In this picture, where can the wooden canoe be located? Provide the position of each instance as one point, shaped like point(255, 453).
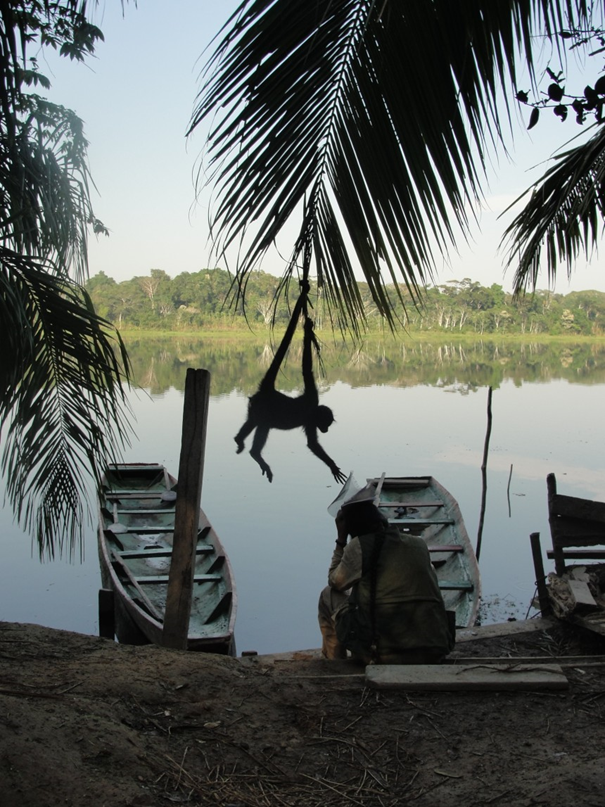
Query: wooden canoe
point(136, 523)
point(419, 505)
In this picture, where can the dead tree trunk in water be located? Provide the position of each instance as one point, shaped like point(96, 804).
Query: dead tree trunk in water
point(484, 472)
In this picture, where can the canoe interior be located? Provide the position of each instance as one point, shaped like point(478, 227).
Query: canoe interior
point(136, 523)
point(419, 505)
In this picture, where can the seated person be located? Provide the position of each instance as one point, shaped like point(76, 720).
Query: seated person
point(394, 612)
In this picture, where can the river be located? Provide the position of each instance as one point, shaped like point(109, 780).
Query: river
point(406, 408)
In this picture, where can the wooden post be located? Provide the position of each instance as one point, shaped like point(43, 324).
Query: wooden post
point(107, 623)
point(186, 520)
point(543, 598)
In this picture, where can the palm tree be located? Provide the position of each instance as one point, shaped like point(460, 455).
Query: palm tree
point(370, 123)
point(62, 405)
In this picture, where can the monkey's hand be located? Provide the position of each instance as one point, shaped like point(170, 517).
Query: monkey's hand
point(309, 324)
point(305, 286)
point(338, 475)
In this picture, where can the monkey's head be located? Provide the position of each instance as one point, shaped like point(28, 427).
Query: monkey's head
point(323, 418)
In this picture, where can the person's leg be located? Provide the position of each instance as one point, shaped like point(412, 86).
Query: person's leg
point(329, 602)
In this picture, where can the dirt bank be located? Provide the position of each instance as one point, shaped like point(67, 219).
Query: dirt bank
point(84, 721)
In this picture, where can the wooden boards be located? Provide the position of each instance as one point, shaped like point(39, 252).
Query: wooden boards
point(450, 677)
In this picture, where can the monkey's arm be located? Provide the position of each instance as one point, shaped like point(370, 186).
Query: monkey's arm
point(314, 446)
point(271, 374)
point(309, 341)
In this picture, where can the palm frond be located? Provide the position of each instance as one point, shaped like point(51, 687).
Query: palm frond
point(366, 123)
point(563, 217)
point(62, 407)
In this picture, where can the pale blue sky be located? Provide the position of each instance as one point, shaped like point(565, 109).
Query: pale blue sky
point(136, 98)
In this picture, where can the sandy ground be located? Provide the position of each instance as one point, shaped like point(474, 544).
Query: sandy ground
point(88, 723)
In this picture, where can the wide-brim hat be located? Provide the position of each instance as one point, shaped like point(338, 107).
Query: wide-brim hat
point(352, 493)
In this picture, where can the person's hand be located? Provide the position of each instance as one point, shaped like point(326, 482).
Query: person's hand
point(341, 527)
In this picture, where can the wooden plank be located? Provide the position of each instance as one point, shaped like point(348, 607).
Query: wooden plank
point(447, 585)
point(145, 530)
point(581, 592)
point(420, 522)
point(574, 507)
point(409, 482)
point(562, 661)
point(130, 554)
point(157, 579)
point(594, 622)
point(123, 469)
point(579, 554)
point(191, 471)
point(448, 677)
point(107, 626)
point(447, 548)
point(155, 511)
point(117, 562)
point(543, 598)
point(412, 504)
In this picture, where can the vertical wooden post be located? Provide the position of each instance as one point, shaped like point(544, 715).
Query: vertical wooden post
point(543, 598)
point(186, 521)
point(107, 620)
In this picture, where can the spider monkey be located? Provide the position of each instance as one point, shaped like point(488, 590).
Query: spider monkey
point(269, 409)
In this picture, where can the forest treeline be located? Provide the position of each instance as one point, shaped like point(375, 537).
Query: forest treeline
point(205, 300)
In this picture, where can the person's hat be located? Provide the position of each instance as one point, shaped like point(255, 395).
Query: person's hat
point(352, 493)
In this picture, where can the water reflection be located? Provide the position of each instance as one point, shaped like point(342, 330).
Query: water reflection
point(238, 363)
point(401, 408)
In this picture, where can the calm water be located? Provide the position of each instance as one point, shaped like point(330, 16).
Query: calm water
point(404, 409)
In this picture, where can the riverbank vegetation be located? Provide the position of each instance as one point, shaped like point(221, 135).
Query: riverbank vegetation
point(204, 301)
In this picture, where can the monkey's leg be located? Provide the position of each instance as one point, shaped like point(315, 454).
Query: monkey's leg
point(242, 434)
point(260, 438)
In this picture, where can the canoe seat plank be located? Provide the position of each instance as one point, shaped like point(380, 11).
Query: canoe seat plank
point(447, 548)
point(131, 554)
point(144, 601)
point(448, 585)
point(163, 578)
point(216, 564)
point(578, 554)
point(411, 504)
point(420, 522)
point(150, 512)
point(220, 608)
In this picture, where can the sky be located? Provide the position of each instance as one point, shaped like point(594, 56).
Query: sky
point(136, 97)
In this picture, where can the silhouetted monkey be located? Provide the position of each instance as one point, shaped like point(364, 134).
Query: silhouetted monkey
point(269, 409)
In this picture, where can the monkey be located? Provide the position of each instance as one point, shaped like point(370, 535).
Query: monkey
point(269, 409)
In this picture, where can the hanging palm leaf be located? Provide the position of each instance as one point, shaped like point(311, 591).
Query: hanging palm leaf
point(564, 215)
point(62, 405)
point(367, 124)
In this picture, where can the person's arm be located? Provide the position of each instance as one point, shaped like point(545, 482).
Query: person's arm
point(345, 567)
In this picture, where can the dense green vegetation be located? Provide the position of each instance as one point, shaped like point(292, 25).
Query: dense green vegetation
point(196, 301)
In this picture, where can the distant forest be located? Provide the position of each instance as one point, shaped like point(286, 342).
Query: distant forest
point(204, 300)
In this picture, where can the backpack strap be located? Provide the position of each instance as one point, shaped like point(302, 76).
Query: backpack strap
point(373, 570)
